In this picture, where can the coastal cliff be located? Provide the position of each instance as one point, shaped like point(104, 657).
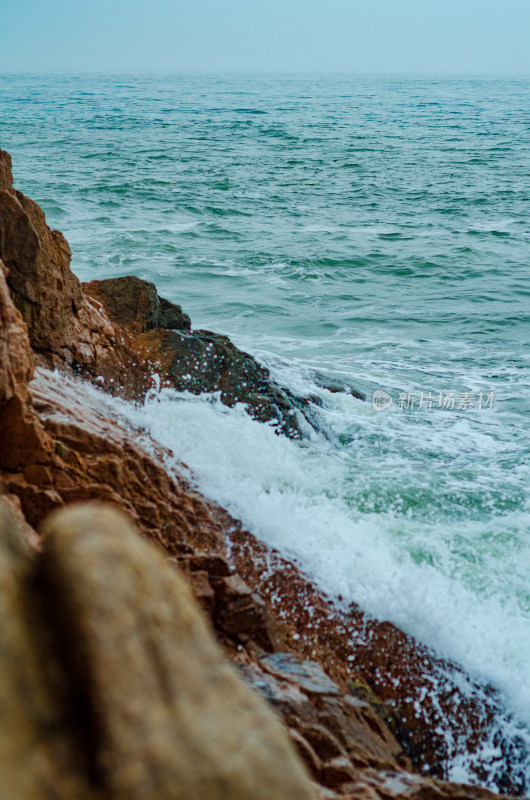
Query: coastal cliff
point(100, 620)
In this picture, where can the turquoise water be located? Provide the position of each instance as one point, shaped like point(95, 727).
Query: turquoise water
point(372, 229)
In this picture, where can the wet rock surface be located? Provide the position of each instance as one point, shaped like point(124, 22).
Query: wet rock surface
point(433, 709)
point(203, 361)
point(307, 674)
point(199, 361)
point(336, 385)
point(134, 302)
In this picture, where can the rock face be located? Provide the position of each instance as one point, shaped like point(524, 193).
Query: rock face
point(91, 458)
point(134, 302)
point(148, 707)
point(198, 361)
point(22, 439)
point(50, 307)
point(65, 326)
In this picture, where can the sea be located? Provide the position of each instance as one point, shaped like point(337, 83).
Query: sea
point(368, 229)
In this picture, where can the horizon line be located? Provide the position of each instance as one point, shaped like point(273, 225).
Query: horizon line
point(275, 72)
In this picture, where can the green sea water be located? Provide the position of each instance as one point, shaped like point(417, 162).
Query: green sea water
point(371, 229)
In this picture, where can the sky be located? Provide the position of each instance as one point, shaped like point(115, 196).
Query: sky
point(478, 37)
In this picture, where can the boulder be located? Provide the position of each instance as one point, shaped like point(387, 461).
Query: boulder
point(198, 361)
point(134, 302)
point(38, 757)
point(203, 361)
point(112, 684)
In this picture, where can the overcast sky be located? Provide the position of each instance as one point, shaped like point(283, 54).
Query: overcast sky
point(411, 36)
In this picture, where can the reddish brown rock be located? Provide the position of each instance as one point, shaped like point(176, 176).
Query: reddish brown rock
point(322, 741)
point(95, 457)
point(135, 303)
point(203, 591)
point(214, 564)
point(241, 615)
point(307, 754)
point(66, 327)
point(22, 440)
point(46, 292)
point(19, 523)
point(337, 771)
point(6, 172)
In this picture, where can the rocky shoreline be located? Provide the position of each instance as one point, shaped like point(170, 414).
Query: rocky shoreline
point(352, 695)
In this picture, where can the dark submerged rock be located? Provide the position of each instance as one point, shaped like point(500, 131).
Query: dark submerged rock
point(208, 362)
point(336, 385)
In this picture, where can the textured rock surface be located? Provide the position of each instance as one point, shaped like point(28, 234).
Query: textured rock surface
point(37, 759)
point(138, 702)
point(418, 696)
point(203, 361)
point(6, 171)
point(197, 361)
point(22, 441)
point(134, 302)
point(94, 457)
point(173, 720)
point(65, 326)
